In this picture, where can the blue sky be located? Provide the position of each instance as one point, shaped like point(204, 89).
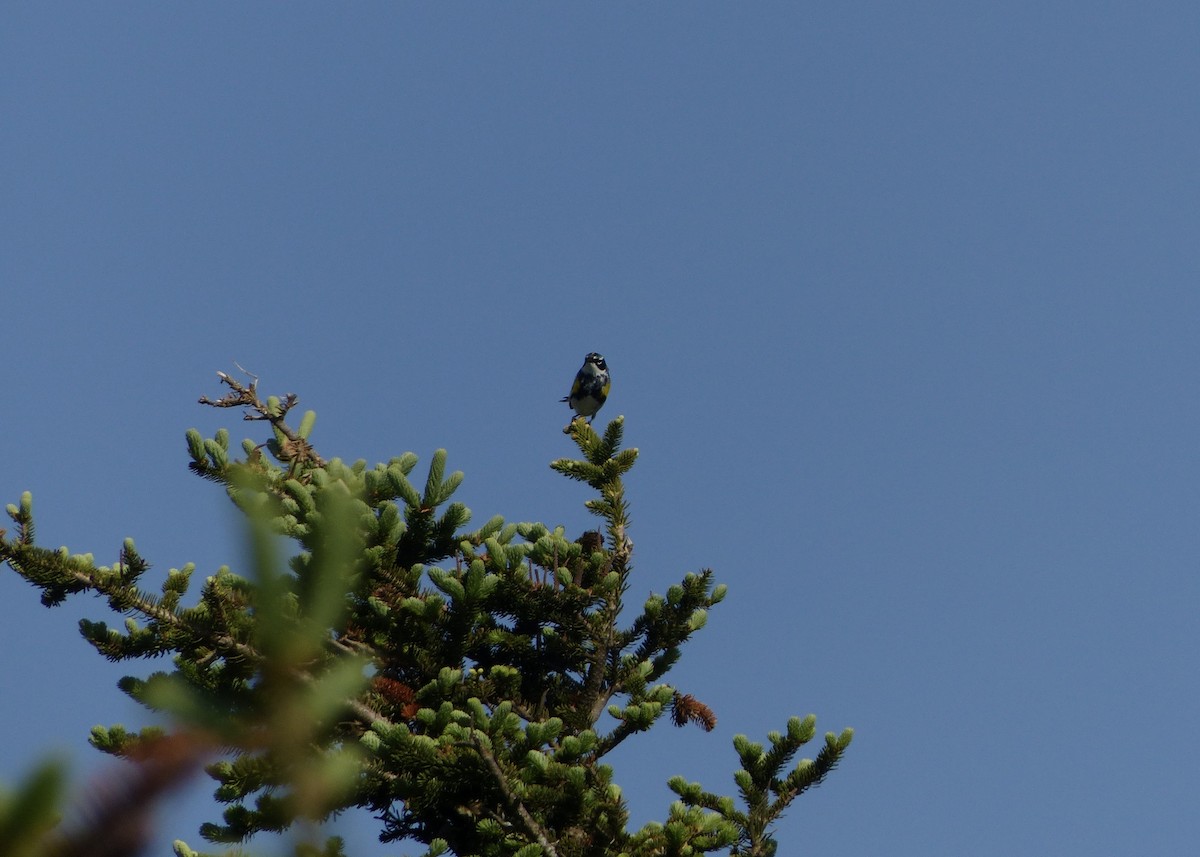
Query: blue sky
point(901, 303)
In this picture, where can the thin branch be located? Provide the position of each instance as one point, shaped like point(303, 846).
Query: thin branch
point(296, 449)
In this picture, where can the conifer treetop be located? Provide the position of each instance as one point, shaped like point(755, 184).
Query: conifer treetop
point(464, 686)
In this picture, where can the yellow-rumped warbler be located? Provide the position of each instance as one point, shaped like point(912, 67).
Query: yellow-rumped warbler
point(591, 386)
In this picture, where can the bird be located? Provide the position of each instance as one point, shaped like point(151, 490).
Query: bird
point(592, 383)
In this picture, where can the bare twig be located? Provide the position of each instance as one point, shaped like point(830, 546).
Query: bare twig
point(294, 449)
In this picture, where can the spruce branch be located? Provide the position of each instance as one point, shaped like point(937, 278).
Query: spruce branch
point(529, 821)
point(765, 791)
